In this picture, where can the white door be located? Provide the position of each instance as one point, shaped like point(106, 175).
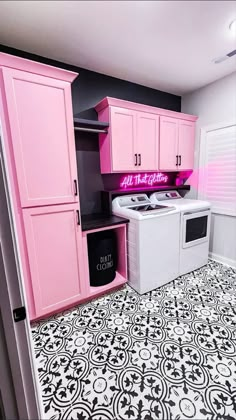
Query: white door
point(16, 334)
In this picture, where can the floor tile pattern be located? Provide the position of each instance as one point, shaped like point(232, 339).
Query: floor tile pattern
point(169, 354)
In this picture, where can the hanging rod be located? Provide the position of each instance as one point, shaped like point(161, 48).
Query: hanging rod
point(90, 130)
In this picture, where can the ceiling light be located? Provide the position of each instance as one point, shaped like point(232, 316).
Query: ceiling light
point(232, 26)
point(224, 57)
point(220, 59)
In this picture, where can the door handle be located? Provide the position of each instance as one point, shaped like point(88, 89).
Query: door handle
point(78, 219)
point(198, 211)
point(136, 159)
point(139, 156)
point(179, 160)
point(76, 188)
point(176, 160)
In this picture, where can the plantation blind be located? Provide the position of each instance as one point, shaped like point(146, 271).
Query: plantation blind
point(217, 182)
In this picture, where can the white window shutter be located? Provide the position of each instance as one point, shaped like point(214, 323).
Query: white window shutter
point(217, 181)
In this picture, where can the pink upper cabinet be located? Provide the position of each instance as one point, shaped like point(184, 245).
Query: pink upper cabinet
point(133, 137)
point(186, 144)
point(147, 141)
point(177, 138)
point(122, 139)
point(131, 143)
point(168, 144)
point(55, 257)
point(144, 138)
point(41, 126)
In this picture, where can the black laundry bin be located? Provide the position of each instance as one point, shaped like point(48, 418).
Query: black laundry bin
point(102, 254)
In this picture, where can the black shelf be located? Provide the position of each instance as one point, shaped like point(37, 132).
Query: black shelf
point(92, 126)
point(98, 221)
point(147, 190)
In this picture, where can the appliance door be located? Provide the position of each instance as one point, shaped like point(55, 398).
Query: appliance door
point(196, 227)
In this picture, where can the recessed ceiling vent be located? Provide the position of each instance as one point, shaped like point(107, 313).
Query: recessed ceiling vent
point(224, 57)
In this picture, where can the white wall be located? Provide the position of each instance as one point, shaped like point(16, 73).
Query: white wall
point(215, 103)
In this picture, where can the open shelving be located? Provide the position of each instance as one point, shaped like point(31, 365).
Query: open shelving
point(90, 126)
point(121, 272)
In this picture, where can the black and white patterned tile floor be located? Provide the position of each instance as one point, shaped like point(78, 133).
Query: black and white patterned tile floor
point(169, 354)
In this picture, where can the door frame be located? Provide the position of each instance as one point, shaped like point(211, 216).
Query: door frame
point(19, 342)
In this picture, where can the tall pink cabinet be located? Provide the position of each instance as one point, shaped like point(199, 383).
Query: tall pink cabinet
point(41, 121)
point(38, 137)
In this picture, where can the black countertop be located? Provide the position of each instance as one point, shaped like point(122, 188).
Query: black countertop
point(98, 221)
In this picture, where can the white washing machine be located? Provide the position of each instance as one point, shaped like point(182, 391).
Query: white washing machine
point(152, 241)
point(194, 228)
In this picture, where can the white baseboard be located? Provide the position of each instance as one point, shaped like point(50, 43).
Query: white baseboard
point(222, 260)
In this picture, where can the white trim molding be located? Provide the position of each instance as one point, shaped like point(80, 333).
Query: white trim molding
point(18, 336)
point(223, 260)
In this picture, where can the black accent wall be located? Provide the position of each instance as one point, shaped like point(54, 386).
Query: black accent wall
point(87, 90)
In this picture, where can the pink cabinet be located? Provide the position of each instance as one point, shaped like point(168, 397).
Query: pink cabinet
point(186, 144)
point(131, 143)
point(168, 143)
point(177, 137)
point(144, 138)
point(123, 139)
point(147, 134)
point(38, 136)
point(53, 239)
point(41, 125)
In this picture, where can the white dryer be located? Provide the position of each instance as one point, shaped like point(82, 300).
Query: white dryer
point(152, 241)
point(194, 228)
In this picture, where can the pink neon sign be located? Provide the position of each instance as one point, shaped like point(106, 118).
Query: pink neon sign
point(143, 180)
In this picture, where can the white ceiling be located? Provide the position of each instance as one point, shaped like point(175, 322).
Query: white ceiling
point(167, 45)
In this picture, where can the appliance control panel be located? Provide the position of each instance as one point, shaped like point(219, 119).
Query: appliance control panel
point(129, 200)
point(167, 195)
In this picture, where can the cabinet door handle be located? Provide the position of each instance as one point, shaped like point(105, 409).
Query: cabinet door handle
point(140, 161)
point(179, 160)
point(75, 186)
point(176, 160)
point(136, 159)
point(78, 219)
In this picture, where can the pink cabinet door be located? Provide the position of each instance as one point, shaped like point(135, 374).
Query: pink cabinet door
point(168, 143)
point(41, 125)
point(123, 138)
point(186, 144)
point(53, 247)
point(147, 140)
